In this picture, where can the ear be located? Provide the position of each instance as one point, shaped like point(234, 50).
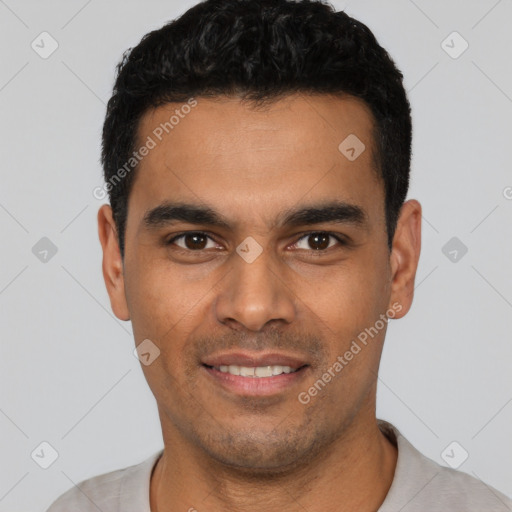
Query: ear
point(405, 254)
point(112, 263)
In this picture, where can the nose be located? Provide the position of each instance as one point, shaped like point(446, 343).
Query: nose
point(254, 294)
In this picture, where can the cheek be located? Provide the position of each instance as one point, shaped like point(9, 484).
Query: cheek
point(163, 301)
point(350, 303)
point(351, 297)
point(166, 310)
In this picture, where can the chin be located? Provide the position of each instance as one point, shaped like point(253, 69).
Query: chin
point(260, 453)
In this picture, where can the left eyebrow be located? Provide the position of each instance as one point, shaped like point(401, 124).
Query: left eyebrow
point(338, 212)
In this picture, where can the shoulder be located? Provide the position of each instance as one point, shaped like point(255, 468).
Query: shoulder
point(422, 484)
point(110, 492)
point(452, 487)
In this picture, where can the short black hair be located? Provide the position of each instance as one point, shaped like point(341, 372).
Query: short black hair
point(259, 51)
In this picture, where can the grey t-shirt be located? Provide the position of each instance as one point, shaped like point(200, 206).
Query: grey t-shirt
point(419, 485)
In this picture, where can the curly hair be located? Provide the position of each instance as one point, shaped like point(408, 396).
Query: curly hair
point(259, 51)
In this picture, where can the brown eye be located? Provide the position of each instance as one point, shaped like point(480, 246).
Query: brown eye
point(192, 241)
point(318, 241)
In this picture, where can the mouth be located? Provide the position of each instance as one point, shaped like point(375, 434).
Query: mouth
point(255, 374)
point(255, 371)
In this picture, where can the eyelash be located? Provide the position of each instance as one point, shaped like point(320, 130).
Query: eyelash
point(340, 240)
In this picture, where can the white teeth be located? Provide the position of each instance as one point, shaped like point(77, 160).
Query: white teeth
point(234, 369)
point(277, 369)
point(258, 371)
point(263, 371)
point(245, 371)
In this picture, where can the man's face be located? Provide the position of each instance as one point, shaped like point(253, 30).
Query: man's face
point(261, 289)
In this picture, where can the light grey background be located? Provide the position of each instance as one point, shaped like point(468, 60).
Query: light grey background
point(68, 375)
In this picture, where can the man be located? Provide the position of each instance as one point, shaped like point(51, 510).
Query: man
point(257, 154)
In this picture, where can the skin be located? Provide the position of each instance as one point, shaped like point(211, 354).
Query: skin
point(223, 450)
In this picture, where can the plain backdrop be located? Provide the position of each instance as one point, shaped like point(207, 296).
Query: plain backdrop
point(68, 376)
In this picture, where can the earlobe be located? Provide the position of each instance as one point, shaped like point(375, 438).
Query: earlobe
point(112, 265)
point(405, 255)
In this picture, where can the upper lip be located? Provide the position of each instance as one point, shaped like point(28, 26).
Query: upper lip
point(254, 359)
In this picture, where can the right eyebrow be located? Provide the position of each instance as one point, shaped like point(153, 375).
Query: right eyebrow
point(168, 213)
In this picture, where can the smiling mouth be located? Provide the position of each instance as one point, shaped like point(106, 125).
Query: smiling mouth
point(255, 371)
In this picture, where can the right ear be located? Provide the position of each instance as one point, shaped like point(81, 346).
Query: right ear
point(112, 262)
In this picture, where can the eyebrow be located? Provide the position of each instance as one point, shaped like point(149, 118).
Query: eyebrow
point(339, 212)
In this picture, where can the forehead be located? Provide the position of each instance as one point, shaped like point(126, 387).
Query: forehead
point(225, 151)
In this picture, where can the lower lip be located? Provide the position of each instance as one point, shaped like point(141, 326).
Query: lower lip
point(256, 386)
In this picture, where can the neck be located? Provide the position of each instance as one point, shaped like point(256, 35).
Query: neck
point(355, 475)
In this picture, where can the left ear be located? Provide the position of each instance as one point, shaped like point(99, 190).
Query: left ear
point(405, 254)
